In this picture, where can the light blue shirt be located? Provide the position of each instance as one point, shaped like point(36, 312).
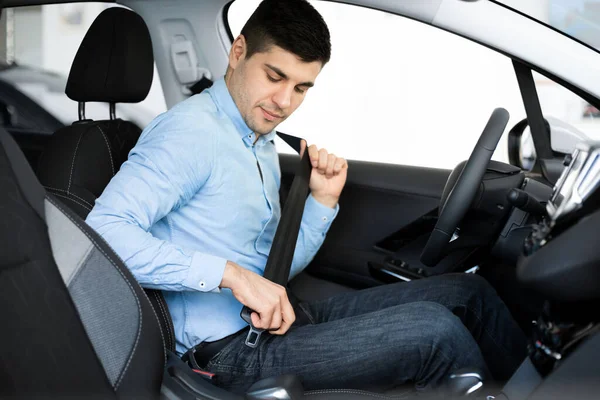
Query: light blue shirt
point(189, 198)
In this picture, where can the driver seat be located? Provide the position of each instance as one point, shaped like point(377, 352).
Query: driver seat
point(77, 323)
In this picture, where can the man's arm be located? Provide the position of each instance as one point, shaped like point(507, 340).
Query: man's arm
point(316, 220)
point(327, 180)
point(170, 163)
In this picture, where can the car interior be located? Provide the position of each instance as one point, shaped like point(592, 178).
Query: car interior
point(77, 323)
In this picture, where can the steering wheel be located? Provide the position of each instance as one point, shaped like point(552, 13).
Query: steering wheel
point(458, 202)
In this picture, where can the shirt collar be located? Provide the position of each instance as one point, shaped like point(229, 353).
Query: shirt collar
point(222, 98)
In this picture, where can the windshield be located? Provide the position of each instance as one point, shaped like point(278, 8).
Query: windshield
point(579, 19)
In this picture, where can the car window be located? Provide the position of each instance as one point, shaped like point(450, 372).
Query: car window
point(41, 44)
point(399, 91)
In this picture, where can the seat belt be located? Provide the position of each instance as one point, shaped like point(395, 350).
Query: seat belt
point(280, 258)
point(538, 127)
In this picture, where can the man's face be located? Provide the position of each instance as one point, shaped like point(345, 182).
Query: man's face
point(269, 86)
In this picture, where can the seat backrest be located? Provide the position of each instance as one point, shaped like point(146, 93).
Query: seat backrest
point(114, 64)
point(75, 321)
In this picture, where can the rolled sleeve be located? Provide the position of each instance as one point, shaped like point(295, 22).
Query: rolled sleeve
point(205, 273)
point(317, 216)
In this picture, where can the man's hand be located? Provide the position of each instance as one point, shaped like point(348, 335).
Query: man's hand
point(273, 309)
point(328, 175)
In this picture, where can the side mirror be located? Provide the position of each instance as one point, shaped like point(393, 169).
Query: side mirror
point(521, 148)
point(527, 154)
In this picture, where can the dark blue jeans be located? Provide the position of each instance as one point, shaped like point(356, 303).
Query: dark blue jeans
point(386, 336)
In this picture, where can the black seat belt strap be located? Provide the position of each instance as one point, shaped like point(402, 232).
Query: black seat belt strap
point(535, 118)
point(280, 258)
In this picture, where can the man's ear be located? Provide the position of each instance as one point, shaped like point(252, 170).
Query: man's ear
point(237, 52)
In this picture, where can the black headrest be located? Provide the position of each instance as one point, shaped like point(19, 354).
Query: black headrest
point(114, 63)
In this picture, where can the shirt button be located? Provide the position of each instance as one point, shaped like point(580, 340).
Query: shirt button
point(325, 219)
point(202, 284)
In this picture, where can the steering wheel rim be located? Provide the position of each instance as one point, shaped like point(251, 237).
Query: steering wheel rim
point(462, 194)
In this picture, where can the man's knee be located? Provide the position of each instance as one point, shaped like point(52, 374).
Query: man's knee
point(473, 285)
point(443, 330)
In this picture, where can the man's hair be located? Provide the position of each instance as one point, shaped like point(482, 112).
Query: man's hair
point(293, 25)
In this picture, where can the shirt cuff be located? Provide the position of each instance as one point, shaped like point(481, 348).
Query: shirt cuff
point(205, 273)
point(318, 216)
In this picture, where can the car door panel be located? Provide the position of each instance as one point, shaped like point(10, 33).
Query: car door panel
point(380, 206)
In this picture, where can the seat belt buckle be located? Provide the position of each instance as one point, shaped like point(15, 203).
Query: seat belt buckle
point(254, 334)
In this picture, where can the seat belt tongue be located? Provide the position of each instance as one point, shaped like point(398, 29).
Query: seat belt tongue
point(254, 334)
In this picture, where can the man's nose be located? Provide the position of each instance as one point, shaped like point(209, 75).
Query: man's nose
point(283, 97)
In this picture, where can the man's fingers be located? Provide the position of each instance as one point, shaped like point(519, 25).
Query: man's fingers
point(265, 317)
point(255, 319)
point(313, 152)
point(276, 318)
point(340, 163)
point(288, 315)
point(285, 326)
point(322, 161)
point(330, 165)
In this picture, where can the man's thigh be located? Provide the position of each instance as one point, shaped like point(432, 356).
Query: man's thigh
point(450, 290)
point(418, 342)
point(467, 296)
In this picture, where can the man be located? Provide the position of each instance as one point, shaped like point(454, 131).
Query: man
point(194, 210)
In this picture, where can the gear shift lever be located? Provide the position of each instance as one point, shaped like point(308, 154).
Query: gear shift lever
point(464, 382)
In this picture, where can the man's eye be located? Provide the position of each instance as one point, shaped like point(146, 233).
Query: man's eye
point(301, 91)
point(272, 79)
